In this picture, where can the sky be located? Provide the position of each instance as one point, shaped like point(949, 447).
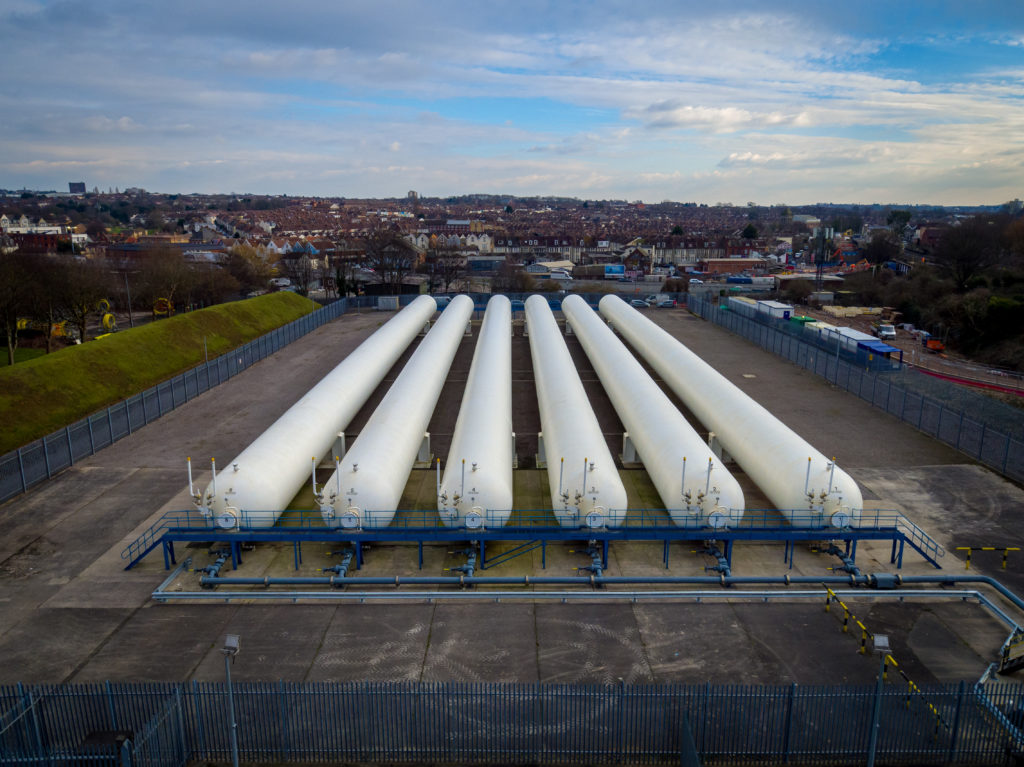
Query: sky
point(767, 102)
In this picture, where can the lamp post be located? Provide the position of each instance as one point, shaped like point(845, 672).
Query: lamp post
point(881, 647)
point(232, 645)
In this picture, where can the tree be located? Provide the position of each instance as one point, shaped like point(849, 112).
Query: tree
point(251, 269)
point(446, 266)
point(391, 257)
point(344, 270)
point(511, 278)
point(677, 231)
point(968, 250)
point(298, 267)
point(50, 275)
point(164, 274)
point(749, 232)
point(897, 221)
point(15, 296)
point(87, 282)
point(881, 248)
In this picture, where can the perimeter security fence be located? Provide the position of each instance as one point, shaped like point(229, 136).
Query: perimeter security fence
point(507, 723)
point(987, 430)
point(40, 460)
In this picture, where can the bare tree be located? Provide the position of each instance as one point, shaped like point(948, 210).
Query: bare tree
point(343, 270)
point(15, 296)
point(87, 282)
point(298, 268)
point(966, 251)
point(391, 257)
point(446, 266)
point(50, 275)
point(164, 274)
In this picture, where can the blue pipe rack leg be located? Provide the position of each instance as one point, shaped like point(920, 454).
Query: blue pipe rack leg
point(168, 547)
point(297, 546)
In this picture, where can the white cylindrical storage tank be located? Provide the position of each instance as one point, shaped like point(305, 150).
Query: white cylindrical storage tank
point(803, 484)
point(476, 490)
point(585, 485)
point(263, 479)
point(366, 487)
point(694, 485)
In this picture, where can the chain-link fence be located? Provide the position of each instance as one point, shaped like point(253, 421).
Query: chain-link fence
point(984, 428)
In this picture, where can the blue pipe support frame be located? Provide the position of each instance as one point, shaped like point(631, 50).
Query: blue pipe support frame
point(180, 526)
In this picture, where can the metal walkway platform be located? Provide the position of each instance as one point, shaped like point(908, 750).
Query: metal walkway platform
point(536, 527)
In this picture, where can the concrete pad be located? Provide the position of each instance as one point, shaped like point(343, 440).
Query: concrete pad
point(158, 645)
point(51, 644)
point(590, 644)
point(482, 643)
point(278, 642)
point(374, 642)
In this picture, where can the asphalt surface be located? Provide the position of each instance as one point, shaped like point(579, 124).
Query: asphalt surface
point(68, 612)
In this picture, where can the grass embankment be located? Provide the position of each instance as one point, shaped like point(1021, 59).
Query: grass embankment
point(42, 395)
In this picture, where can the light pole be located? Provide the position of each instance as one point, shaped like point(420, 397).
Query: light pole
point(232, 645)
point(881, 647)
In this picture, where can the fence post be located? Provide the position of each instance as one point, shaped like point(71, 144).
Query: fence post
point(789, 722)
point(46, 458)
point(92, 440)
point(110, 706)
point(126, 754)
point(21, 471)
point(181, 725)
point(953, 736)
point(71, 449)
point(283, 710)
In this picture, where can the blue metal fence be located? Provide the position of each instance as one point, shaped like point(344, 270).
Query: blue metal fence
point(493, 723)
point(984, 431)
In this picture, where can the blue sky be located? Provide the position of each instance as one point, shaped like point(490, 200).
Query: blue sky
point(788, 102)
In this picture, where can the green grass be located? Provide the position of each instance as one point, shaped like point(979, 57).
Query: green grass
point(20, 355)
point(49, 392)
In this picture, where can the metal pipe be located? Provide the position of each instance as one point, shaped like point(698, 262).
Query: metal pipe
point(564, 596)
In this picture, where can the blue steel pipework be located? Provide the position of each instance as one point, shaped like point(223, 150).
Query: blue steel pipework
point(875, 580)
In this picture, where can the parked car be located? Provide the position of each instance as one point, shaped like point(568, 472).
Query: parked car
point(668, 303)
point(695, 281)
point(639, 303)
